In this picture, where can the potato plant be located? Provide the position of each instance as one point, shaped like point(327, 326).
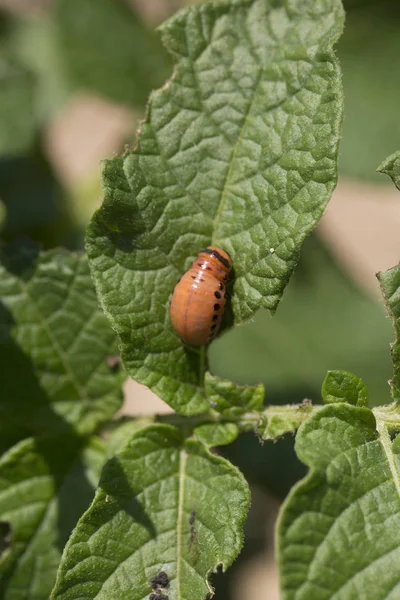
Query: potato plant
point(239, 150)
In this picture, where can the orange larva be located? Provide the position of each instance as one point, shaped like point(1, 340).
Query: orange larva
point(199, 297)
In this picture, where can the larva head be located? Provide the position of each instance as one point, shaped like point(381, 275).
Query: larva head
point(219, 260)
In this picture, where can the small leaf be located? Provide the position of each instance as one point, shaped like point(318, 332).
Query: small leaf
point(216, 434)
point(122, 435)
point(276, 421)
point(239, 149)
point(342, 386)
point(339, 531)
point(230, 399)
point(108, 50)
point(390, 286)
point(164, 504)
point(391, 166)
point(45, 484)
point(55, 344)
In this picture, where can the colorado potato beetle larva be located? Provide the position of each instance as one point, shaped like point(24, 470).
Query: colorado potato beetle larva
point(199, 298)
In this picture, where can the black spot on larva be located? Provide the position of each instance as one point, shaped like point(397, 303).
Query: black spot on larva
point(217, 295)
point(193, 276)
point(226, 277)
point(221, 285)
point(213, 327)
point(209, 268)
point(215, 317)
point(225, 296)
point(199, 264)
point(201, 279)
point(160, 580)
point(217, 306)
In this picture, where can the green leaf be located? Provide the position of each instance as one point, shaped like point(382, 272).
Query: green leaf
point(391, 166)
point(276, 421)
point(17, 108)
point(216, 434)
point(164, 504)
point(390, 286)
point(238, 149)
point(108, 50)
point(230, 399)
point(45, 485)
point(122, 434)
point(55, 343)
point(342, 386)
point(339, 531)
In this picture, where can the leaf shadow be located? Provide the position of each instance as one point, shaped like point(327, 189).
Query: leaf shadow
point(27, 412)
point(115, 483)
point(74, 491)
point(37, 205)
point(24, 403)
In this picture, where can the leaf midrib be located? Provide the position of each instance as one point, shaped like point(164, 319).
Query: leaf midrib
point(236, 147)
point(179, 558)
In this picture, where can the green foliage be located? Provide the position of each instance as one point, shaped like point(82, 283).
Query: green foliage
point(230, 399)
point(216, 434)
point(55, 343)
point(276, 421)
point(390, 285)
point(164, 504)
point(123, 432)
point(339, 530)
point(252, 176)
point(391, 166)
point(324, 322)
point(45, 485)
point(238, 149)
point(342, 386)
point(107, 49)
point(390, 282)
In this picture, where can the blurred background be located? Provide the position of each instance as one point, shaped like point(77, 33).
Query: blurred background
point(74, 79)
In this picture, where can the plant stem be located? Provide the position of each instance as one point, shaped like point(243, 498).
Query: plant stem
point(292, 414)
point(202, 366)
point(389, 415)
